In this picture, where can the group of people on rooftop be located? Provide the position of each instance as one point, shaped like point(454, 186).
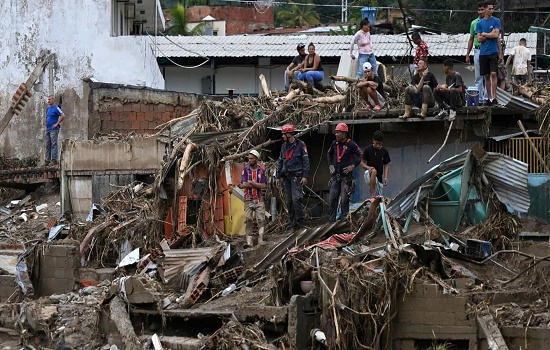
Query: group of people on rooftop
point(425, 91)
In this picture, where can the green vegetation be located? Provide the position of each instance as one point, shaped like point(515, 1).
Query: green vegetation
point(298, 15)
point(180, 20)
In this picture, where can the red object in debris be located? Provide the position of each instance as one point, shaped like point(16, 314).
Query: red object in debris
point(89, 283)
point(182, 213)
point(51, 223)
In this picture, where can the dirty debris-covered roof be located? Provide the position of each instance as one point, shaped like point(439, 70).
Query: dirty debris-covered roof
point(394, 46)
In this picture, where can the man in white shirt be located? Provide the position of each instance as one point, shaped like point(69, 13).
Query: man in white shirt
point(521, 57)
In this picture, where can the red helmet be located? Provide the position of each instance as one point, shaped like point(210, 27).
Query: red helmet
point(342, 127)
point(288, 128)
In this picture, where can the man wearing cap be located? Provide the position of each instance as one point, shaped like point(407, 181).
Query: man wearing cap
point(343, 156)
point(292, 71)
point(253, 181)
point(420, 92)
point(371, 88)
point(292, 171)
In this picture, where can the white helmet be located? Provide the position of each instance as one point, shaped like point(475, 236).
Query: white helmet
point(255, 153)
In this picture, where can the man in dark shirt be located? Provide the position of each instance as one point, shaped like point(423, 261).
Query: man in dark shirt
point(292, 171)
point(292, 71)
point(451, 94)
point(371, 88)
point(343, 156)
point(420, 93)
point(376, 160)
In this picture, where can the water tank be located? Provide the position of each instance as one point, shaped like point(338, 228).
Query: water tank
point(369, 13)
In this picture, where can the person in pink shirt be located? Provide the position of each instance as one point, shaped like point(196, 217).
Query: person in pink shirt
point(364, 48)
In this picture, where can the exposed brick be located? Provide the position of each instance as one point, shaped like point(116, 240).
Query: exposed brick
point(120, 125)
point(105, 116)
point(136, 125)
point(115, 116)
point(152, 125)
point(169, 108)
point(132, 116)
point(144, 125)
point(144, 107)
point(127, 108)
point(141, 116)
point(119, 107)
point(150, 116)
point(161, 108)
point(165, 116)
point(136, 107)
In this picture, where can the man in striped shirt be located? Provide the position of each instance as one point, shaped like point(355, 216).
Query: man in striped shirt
point(253, 181)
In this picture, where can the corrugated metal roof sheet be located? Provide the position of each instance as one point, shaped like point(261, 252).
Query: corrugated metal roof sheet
point(509, 179)
point(394, 46)
point(517, 104)
point(507, 175)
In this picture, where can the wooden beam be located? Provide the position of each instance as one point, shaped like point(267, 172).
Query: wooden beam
point(489, 327)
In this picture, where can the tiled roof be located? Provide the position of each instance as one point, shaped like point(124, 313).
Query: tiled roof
point(389, 46)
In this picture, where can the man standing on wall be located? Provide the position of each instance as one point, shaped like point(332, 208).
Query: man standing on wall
point(376, 160)
point(253, 181)
point(292, 70)
point(521, 57)
point(474, 43)
point(292, 171)
point(343, 156)
point(54, 118)
point(488, 31)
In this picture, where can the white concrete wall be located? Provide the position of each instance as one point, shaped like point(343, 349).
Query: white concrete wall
point(80, 37)
point(243, 79)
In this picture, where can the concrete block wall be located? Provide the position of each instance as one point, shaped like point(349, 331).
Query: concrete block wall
point(7, 287)
point(140, 118)
point(427, 312)
point(125, 109)
point(58, 266)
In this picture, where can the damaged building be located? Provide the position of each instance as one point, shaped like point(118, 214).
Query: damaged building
point(136, 240)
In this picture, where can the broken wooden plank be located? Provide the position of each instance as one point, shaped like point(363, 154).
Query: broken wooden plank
point(489, 326)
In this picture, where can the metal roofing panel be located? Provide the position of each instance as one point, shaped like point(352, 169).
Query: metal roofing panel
point(327, 45)
point(518, 104)
point(509, 178)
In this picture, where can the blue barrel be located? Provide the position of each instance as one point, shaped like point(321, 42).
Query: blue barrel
point(472, 96)
point(369, 13)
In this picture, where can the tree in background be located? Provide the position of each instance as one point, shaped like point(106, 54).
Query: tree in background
point(180, 20)
point(297, 14)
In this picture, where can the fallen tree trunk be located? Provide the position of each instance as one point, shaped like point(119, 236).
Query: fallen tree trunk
point(330, 99)
point(292, 94)
point(184, 162)
point(343, 78)
point(304, 85)
point(121, 319)
point(94, 231)
point(264, 86)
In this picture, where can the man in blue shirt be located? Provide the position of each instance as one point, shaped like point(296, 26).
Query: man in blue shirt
point(54, 118)
point(343, 156)
point(292, 171)
point(490, 53)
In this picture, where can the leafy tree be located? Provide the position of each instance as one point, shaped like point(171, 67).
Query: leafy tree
point(298, 15)
point(180, 18)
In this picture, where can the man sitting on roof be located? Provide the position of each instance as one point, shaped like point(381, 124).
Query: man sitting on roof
point(420, 92)
point(450, 95)
point(371, 88)
point(293, 68)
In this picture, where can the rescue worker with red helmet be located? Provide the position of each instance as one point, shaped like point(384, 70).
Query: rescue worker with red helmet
point(343, 156)
point(292, 171)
